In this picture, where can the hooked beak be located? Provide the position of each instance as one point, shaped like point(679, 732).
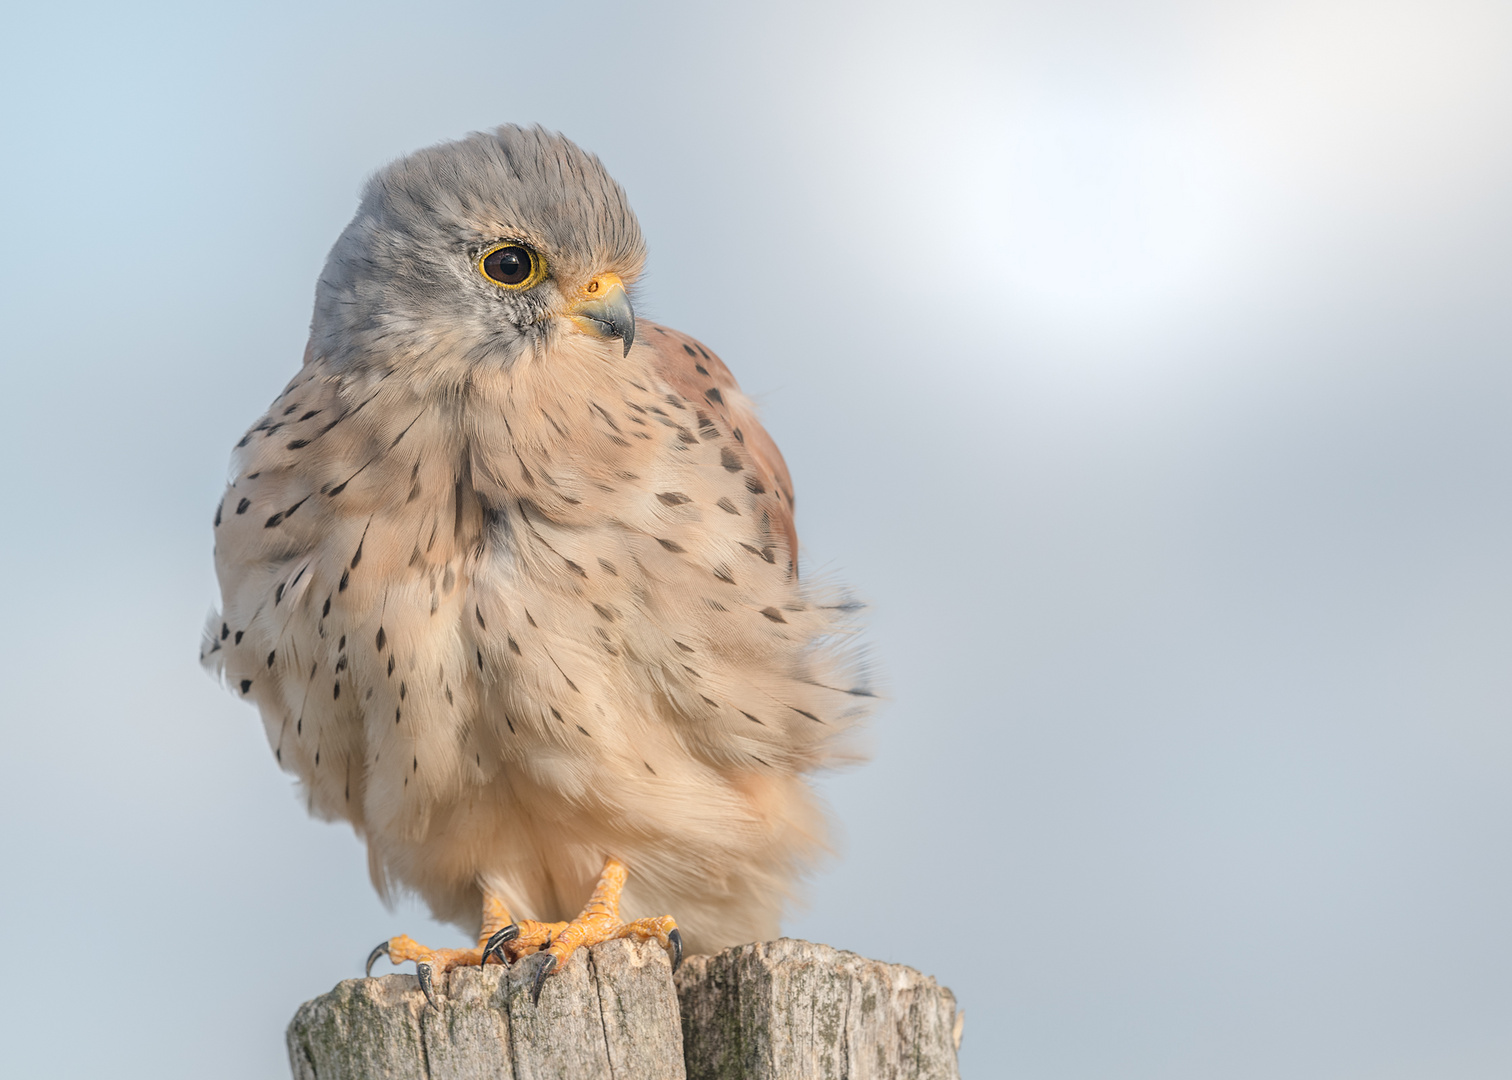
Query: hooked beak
point(603, 309)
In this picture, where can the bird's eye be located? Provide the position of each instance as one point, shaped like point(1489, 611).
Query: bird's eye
point(513, 265)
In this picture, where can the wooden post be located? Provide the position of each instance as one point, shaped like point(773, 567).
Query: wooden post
point(784, 1010)
point(771, 1011)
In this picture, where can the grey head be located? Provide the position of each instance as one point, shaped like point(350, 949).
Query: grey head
point(471, 252)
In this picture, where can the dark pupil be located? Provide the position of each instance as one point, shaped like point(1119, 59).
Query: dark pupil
point(508, 266)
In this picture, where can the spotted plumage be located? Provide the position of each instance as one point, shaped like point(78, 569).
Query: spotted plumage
point(515, 588)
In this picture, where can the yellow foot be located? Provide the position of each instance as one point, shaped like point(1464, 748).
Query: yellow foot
point(504, 941)
point(598, 922)
point(520, 939)
point(432, 962)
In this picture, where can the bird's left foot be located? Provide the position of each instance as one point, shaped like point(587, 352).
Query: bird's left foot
point(598, 922)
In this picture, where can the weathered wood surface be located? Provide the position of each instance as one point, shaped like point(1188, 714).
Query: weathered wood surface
point(610, 1013)
point(772, 1011)
point(781, 1010)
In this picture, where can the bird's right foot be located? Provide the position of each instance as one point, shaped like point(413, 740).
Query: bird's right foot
point(498, 930)
point(428, 962)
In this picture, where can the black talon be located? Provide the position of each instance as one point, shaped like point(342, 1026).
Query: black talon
point(381, 950)
point(423, 971)
point(495, 946)
point(546, 968)
point(676, 939)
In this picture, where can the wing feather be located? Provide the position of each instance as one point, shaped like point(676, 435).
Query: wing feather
point(697, 373)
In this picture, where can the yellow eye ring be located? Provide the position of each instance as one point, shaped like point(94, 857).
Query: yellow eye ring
point(512, 266)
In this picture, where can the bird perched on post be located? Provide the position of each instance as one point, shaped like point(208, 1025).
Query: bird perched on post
point(512, 579)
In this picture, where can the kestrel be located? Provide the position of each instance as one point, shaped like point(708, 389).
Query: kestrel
point(512, 578)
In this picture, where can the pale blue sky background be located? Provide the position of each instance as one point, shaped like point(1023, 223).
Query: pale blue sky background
point(1145, 364)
